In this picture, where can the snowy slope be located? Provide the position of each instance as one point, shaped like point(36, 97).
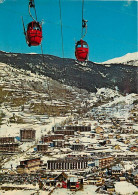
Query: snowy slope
point(129, 59)
point(70, 73)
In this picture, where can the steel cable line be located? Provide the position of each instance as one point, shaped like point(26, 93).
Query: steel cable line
point(61, 28)
point(76, 28)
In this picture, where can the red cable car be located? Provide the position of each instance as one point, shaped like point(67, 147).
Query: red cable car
point(34, 34)
point(81, 51)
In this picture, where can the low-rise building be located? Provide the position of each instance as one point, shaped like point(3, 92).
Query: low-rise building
point(59, 143)
point(80, 128)
point(65, 132)
point(99, 130)
point(7, 140)
point(116, 147)
point(77, 147)
point(50, 138)
point(27, 135)
point(42, 148)
point(28, 166)
point(116, 170)
point(68, 163)
point(133, 149)
point(104, 161)
point(9, 147)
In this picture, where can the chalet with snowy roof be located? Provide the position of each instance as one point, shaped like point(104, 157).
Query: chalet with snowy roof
point(29, 166)
point(108, 141)
point(126, 141)
point(27, 135)
point(116, 147)
point(61, 177)
point(101, 136)
point(99, 130)
point(116, 170)
point(110, 136)
point(118, 136)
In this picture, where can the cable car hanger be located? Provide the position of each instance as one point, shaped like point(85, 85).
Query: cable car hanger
point(84, 22)
point(81, 47)
point(33, 33)
point(32, 5)
point(84, 25)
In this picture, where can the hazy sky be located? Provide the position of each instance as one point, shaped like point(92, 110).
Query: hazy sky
point(112, 27)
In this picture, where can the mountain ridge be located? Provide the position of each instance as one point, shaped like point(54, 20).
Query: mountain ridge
point(67, 71)
point(128, 59)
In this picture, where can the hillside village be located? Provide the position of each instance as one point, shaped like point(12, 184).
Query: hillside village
point(56, 138)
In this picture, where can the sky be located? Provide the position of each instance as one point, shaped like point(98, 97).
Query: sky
point(112, 27)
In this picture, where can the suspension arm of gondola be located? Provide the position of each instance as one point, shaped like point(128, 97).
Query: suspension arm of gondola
point(82, 18)
point(84, 25)
point(84, 22)
point(32, 5)
point(23, 27)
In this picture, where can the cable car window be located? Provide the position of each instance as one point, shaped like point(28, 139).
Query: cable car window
point(36, 28)
point(85, 46)
point(78, 46)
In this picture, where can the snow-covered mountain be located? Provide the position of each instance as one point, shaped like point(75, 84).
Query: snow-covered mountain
point(128, 59)
point(68, 72)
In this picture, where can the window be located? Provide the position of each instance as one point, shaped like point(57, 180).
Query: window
point(85, 46)
point(78, 46)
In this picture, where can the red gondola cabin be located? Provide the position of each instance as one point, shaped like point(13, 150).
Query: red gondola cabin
point(81, 50)
point(34, 34)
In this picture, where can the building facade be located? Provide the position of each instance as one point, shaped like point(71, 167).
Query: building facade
point(27, 135)
point(7, 140)
point(103, 162)
point(78, 128)
point(59, 143)
point(42, 148)
point(28, 166)
point(50, 138)
point(9, 147)
point(64, 132)
point(68, 163)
